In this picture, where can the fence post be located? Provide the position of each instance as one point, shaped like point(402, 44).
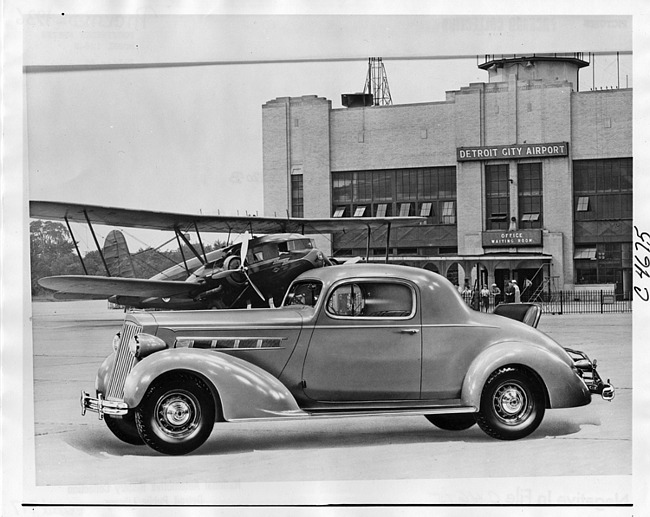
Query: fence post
point(602, 302)
point(561, 302)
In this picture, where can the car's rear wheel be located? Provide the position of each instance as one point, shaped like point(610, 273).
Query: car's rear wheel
point(512, 404)
point(124, 428)
point(452, 422)
point(176, 415)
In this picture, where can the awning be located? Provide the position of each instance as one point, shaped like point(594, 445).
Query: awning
point(493, 257)
point(584, 254)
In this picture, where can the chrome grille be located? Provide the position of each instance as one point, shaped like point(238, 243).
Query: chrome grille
point(124, 362)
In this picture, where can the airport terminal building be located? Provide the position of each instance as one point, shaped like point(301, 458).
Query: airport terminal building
point(522, 177)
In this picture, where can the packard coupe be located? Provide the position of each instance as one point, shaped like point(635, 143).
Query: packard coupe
point(347, 340)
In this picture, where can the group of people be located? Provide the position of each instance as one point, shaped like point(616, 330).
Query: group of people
point(481, 300)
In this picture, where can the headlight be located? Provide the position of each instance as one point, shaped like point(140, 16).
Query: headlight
point(116, 341)
point(142, 345)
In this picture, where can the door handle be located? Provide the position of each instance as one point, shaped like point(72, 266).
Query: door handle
point(409, 331)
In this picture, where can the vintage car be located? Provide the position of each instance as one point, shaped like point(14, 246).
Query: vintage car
point(348, 340)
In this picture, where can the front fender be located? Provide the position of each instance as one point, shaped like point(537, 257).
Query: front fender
point(563, 386)
point(104, 374)
point(245, 390)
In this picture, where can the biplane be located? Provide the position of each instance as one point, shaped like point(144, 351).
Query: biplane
point(252, 273)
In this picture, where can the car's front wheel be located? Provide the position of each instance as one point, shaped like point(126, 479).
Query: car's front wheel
point(176, 414)
point(512, 404)
point(124, 428)
point(452, 422)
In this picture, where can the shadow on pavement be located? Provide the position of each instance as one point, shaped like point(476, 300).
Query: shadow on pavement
point(233, 438)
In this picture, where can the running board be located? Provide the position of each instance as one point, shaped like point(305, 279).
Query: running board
point(348, 413)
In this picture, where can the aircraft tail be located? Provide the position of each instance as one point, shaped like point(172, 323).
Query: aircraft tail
point(117, 255)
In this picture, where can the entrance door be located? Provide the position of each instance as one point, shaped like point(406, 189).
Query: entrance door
point(367, 344)
point(501, 277)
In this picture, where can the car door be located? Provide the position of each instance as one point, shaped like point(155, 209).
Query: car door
point(366, 344)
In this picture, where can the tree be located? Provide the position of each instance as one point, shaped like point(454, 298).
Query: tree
point(51, 252)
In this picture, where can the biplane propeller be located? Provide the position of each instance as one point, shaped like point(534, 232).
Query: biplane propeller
point(254, 272)
point(243, 268)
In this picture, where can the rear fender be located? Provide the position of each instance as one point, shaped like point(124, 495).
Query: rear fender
point(562, 385)
point(244, 390)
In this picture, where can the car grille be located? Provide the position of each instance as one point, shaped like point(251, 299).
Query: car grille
point(124, 362)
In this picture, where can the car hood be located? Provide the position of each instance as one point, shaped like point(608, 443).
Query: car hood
point(222, 318)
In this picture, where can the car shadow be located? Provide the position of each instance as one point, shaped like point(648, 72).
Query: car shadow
point(239, 438)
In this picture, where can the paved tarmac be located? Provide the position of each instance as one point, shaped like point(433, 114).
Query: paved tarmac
point(579, 455)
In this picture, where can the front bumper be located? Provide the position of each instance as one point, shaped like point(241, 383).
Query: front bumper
point(101, 406)
point(587, 370)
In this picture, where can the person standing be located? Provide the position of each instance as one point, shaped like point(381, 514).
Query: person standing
point(528, 288)
point(467, 294)
point(517, 291)
point(485, 297)
point(509, 291)
point(496, 292)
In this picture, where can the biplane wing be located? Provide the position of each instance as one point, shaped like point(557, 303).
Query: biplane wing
point(148, 219)
point(276, 258)
point(104, 286)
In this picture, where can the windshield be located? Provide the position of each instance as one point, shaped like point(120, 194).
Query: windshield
point(271, 250)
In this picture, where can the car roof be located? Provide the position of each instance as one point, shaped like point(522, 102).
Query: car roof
point(334, 273)
point(436, 291)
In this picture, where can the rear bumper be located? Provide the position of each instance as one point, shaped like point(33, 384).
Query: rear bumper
point(587, 370)
point(101, 406)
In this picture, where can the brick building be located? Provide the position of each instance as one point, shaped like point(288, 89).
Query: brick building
point(521, 177)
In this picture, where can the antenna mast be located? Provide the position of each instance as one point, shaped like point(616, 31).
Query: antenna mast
point(377, 83)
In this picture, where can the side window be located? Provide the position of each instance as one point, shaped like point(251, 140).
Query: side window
point(372, 300)
point(304, 293)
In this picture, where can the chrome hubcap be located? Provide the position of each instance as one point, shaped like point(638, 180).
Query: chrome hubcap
point(178, 414)
point(511, 403)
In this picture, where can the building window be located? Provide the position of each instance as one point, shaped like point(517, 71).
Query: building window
point(404, 209)
point(425, 209)
point(602, 189)
point(497, 192)
point(297, 199)
point(339, 212)
point(362, 186)
point(405, 192)
point(382, 186)
point(406, 182)
point(360, 211)
point(602, 215)
point(530, 195)
point(448, 215)
point(583, 204)
point(382, 210)
point(602, 263)
point(342, 188)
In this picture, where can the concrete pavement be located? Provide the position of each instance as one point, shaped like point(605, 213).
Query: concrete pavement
point(71, 339)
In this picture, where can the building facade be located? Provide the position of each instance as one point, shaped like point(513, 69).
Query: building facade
point(523, 177)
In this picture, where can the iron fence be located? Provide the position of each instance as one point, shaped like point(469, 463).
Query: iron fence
point(567, 302)
point(583, 301)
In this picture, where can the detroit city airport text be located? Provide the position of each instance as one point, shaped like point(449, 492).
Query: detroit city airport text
point(508, 151)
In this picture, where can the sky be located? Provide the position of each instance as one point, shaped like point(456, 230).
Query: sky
point(164, 112)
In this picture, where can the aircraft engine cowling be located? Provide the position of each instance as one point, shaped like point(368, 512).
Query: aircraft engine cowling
point(233, 262)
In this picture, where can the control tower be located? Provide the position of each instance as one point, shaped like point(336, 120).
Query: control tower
point(527, 67)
